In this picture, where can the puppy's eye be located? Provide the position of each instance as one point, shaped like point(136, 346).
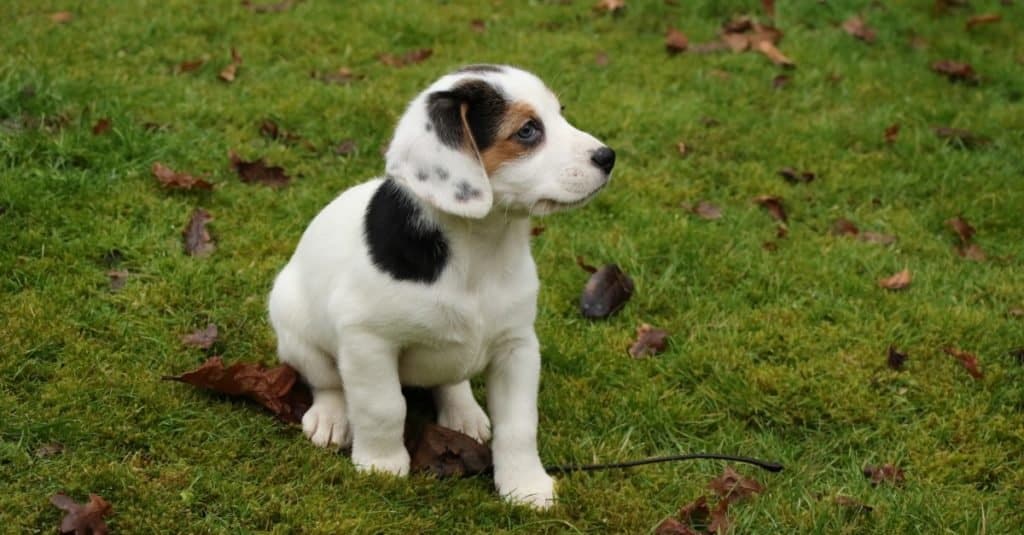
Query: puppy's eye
point(529, 133)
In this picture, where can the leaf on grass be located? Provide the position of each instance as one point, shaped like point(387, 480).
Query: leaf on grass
point(956, 71)
point(968, 360)
point(856, 27)
point(342, 76)
point(190, 65)
point(447, 453)
point(896, 359)
point(774, 206)
point(892, 132)
point(886, 473)
point(197, 238)
point(345, 147)
point(720, 518)
point(984, 18)
point(965, 138)
point(852, 503)
point(675, 41)
point(537, 231)
point(172, 179)
point(705, 210)
point(118, 278)
point(82, 519)
point(278, 389)
point(696, 513)
point(228, 73)
point(62, 17)
point(844, 227)
point(101, 127)
point(259, 172)
point(733, 487)
point(671, 526)
point(962, 228)
point(606, 292)
point(610, 6)
point(649, 341)
point(409, 58)
point(274, 7)
point(49, 450)
point(898, 281)
point(202, 338)
point(767, 47)
point(796, 177)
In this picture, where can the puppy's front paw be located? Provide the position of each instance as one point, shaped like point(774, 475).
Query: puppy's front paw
point(469, 419)
point(395, 464)
point(326, 422)
point(532, 488)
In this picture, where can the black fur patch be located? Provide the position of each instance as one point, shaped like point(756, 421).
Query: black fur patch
point(486, 109)
point(466, 192)
point(481, 67)
point(398, 243)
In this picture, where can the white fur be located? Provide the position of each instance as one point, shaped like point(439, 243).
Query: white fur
point(356, 334)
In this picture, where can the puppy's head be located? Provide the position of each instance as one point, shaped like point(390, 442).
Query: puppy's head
point(493, 137)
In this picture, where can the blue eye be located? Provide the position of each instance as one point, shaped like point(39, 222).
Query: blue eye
point(529, 132)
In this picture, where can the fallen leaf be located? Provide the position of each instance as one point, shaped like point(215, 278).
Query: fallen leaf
point(968, 360)
point(956, 71)
point(780, 81)
point(101, 127)
point(279, 389)
point(768, 48)
point(720, 518)
point(649, 341)
point(175, 180)
point(675, 41)
point(201, 339)
point(228, 73)
point(794, 177)
point(537, 231)
point(733, 487)
point(601, 59)
point(62, 17)
point(774, 206)
point(197, 237)
point(886, 473)
point(606, 292)
point(984, 18)
point(875, 237)
point(275, 7)
point(892, 132)
point(270, 130)
point(82, 519)
point(118, 278)
point(671, 526)
point(856, 27)
point(844, 227)
point(610, 6)
point(898, 281)
point(707, 210)
point(49, 450)
point(962, 228)
point(190, 65)
point(409, 58)
point(896, 359)
point(259, 172)
point(696, 513)
point(447, 453)
point(342, 76)
point(851, 503)
point(345, 147)
point(965, 138)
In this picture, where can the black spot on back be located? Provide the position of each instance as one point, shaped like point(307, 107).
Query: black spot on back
point(484, 114)
point(399, 245)
point(481, 67)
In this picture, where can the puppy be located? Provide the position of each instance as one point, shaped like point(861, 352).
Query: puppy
point(425, 277)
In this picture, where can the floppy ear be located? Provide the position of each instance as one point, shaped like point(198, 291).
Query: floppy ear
point(436, 148)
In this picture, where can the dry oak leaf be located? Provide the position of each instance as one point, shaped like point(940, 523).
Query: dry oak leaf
point(856, 27)
point(197, 238)
point(649, 341)
point(774, 206)
point(955, 71)
point(228, 73)
point(202, 338)
point(968, 360)
point(447, 453)
point(892, 132)
point(62, 17)
point(984, 18)
point(610, 6)
point(606, 292)
point(82, 519)
point(278, 389)
point(886, 473)
point(172, 179)
point(733, 487)
point(101, 127)
point(696, 513)
point(898, 281)
point(675, 41)
point(409, 58)
point(896, 360)
point(259, 172)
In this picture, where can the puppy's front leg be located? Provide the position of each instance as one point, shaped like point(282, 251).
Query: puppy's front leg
point(376, 407)
point(512, 382)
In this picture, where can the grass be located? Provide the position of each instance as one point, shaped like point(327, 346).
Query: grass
point(778, 354)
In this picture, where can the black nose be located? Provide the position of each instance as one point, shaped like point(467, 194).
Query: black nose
point(604, 158)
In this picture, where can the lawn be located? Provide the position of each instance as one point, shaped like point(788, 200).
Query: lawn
point(778, 345)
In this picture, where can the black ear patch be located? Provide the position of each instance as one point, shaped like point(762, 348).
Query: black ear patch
point(485, 109)
point(398, 242)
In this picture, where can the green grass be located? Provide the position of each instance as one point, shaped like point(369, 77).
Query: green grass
point(778, 354)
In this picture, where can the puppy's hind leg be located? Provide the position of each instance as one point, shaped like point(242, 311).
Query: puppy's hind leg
point(326, 422)
point(457, 409)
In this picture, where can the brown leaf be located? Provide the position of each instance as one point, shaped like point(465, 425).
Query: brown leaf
point(720, 518)
point(275, 7)
point(228, 73)
point(82, 519)
point(851, 503)
point(118, 279)
point(956, 71)
point(696, 513)
point(201, 339)
point(197, 237)
point(896, 359)
point(892, 132)
point(984, 18)
point(190, 65)
point(856, 27)
point(62, 17)
point(278, 389)
point(409, 58)
point(175, 180)
point(606, 292)
point(675, 41)
point(601, 59)
point(794, 177)
point(707, 210)
point(101, 127)
point(774, 206)
point(342, 76)
point(768, 49)
point(969, 361)
point(898, 281)
point(345, 147)
point(733, 487)
point(270, 130)
point(671, 526)
point(259, 172)
point(875, 237)
point(649, 341)
point(962, 228)
point(447, 453)
point(610, 6)
point(844, 227)
point(737, 42)
point(966, 138)
point(537, 231)
point(49, 450)
point(886, 473)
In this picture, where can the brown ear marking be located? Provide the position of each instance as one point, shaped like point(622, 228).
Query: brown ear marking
point(505, 148)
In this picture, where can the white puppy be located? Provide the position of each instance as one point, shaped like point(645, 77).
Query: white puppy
point(425, 277)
